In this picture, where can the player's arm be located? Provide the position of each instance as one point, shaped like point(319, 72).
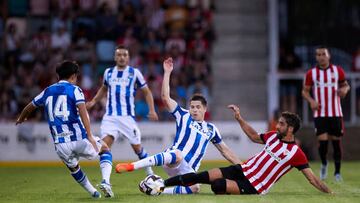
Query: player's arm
point(249, 131)
point(99, 95)
point(315, 181)
point(306, 95)
point(25, 113)
point(170, 104)
point(84, 116)
point(227, 153)
point(150, 102)
point(344, 88)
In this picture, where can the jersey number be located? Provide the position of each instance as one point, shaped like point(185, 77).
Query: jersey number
point(60, 110)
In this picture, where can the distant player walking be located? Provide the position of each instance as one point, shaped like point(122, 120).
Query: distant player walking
point(120, 85)
point(193, 135)
point(69, 125)
point(328, 84)
point(258, 174)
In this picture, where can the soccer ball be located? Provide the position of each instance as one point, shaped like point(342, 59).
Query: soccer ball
point(152, 185)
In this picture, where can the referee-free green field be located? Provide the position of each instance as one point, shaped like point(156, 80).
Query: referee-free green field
point(54, 184)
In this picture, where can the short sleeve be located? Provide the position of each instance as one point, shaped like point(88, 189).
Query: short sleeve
point(140, 81)
point(341, 74)
point(308, 78)
point(105, 77)
point(265, 136)
point(299, 160)
point(178, 113)
point(39, 100)
point(217, 137)
point(79, 95)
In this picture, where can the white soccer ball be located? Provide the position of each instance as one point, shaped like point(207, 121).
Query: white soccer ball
point(152, 185)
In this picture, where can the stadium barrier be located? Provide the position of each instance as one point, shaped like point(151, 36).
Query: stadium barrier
point(32, 142)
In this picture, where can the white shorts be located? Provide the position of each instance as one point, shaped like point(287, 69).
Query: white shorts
point(183, 168)
point(70, 152)
point(120, 125)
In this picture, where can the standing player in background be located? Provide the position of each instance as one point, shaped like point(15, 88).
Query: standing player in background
point(69, 125)
point(328, 84)
point(258, 174)
point(120, 85)
point(193, 135)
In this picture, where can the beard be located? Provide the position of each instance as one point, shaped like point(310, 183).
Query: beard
point(281, 135)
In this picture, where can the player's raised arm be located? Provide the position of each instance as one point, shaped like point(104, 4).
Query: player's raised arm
point(315, 181)
point(165, 88)
point(249, 131)
point(100, 94)
point(25, 113)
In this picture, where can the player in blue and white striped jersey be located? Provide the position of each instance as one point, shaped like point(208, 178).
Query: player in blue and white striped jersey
point(69, 125)
point(120, 84)
point(193, 134)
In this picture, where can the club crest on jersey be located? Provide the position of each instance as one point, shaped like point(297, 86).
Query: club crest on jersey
point(286, 152)
point(131, 75)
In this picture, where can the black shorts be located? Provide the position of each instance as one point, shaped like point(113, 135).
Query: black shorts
point(236, 174)
point(331, 125)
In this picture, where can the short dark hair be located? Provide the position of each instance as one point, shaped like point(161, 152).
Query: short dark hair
point(66, 69)
point(323, 47)
point(121, 46)
point(199, 97)
point(292, 120)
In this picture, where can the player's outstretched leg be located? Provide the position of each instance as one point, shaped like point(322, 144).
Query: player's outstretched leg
point(142, 154)
point(106, 167)
point(164, 158)
point(182, 189)
point(82, 179)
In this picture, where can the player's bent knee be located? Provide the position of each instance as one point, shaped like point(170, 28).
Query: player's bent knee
point(219, 186)
point(195, 188)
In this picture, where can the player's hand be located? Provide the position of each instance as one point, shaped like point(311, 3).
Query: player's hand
point(19, 121)
point(168, 65)
point(90, 104)
point(314, 105)
point(341, 92)
point(153, 116)
point(93, 142)
point(236, 111)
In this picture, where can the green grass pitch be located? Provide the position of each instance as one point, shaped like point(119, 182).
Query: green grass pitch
point(54, 184)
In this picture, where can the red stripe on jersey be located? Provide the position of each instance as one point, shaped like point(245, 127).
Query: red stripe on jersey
point(282, 171)
point(325, 86)
point(275, 160)
point(333, 91)
point(326, 93)
point(318, 91)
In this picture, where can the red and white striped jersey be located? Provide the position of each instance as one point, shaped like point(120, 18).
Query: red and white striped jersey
point(275, 160)
point(325, 83)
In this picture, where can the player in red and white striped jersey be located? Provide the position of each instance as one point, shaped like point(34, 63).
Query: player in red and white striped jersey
point(327, 83)
point(279, 155)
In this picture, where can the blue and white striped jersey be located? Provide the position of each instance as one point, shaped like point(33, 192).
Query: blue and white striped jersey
point(192, 137)
point(122, 86)
point(60, 100)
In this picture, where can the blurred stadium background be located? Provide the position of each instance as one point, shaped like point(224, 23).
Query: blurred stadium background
point(251, 53)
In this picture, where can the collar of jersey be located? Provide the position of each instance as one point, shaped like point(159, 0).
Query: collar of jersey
point(116, 68)
point(63, 81)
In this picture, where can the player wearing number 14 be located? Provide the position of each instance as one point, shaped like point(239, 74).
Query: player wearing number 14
point(69, 125)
